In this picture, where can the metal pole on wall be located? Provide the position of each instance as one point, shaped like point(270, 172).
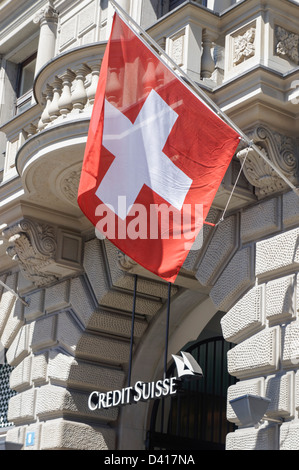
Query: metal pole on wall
point(167, 330)
point(14, 293)
point(132, 331)
point(166, 350)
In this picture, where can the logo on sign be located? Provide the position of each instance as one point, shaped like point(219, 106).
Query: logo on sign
point(187, 367)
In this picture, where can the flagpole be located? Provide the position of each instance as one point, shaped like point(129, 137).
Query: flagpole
point(14, 293)
point(132, 331)
point(167, 329)
point(202, 94)
point(166, 350)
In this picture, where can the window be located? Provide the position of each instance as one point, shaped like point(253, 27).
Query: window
point(175, 3)
point(25, 82)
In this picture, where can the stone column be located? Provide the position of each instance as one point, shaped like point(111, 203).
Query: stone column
point(47, 19)
point(207, 61)
point(125, 4)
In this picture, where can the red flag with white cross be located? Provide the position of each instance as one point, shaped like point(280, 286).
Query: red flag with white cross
point(154, 159)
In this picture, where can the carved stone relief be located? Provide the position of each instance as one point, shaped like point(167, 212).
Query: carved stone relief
point(178, 48)
point(48, 13)
point(244, 46)
point(69, 186)
point(44, 253)
point(33, 246)
point(280, 150)
point(287, 44)
point(125, 263)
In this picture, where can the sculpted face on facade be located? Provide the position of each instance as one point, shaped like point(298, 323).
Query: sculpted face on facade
point(73, 335)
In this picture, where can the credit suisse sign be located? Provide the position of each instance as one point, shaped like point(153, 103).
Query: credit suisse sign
point(186, 367)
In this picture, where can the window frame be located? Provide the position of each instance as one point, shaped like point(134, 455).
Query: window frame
point(23, 99)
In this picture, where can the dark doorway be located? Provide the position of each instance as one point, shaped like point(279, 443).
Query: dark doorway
point(195, 418)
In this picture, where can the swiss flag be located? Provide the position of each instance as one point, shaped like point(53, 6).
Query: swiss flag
point(154, 159)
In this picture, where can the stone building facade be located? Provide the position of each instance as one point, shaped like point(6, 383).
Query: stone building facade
point(68, 331)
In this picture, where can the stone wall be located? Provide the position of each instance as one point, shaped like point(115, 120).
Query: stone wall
point(73, 337)
point(264, 324)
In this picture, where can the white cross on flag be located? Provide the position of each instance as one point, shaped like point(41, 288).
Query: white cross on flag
point(154, 159)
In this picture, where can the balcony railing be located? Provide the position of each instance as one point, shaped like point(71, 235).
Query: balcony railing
point(66, 86)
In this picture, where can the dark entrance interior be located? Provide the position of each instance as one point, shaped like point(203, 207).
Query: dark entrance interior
point(195, 418)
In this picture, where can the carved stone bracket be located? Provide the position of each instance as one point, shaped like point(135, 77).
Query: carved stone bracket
point(44, 253)
point(280, 150)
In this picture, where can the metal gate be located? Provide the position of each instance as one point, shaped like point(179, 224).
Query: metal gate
point(195, 418)
point(5, 394)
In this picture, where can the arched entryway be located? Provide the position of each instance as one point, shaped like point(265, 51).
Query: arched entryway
point(195, 418)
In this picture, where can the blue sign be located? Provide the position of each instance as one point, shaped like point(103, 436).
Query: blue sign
point(30, 438)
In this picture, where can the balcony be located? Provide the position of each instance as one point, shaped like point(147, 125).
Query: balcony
point(221, 53)
point(46, 142)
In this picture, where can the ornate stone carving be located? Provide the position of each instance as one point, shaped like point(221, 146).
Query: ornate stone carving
point(287, 44)
point(48, 13)
point(178, 48)
point(69, 186)
point(126, 263)
point(280, 150)
point(244, 46)
point(33, 246)
point(45, 253)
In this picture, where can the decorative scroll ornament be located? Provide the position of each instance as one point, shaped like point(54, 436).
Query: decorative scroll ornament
point(280, 150)
point(48, 13)
point(287, 44)
point(244, 47)
point(33, 246)
point(125, 263)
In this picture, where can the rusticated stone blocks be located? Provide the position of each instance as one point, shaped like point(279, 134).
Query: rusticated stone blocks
point(264, 325)
point(244, 387)
point(277, 255)
point(61, 434)
point(50, 382)
point(235, 279)
point(290, 345)
point(280, 389)
point(94, 264)
point(252, 439)
point(246, 317)
point(256, 355)
point(221, 247)
point(68, 435)
point(290, 208)
point(289, 436)
point(261, 220)
point(280, 300)
point(55, 401)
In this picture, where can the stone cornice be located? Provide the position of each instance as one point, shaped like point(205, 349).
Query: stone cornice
point(260, 83)
point(15, 19)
